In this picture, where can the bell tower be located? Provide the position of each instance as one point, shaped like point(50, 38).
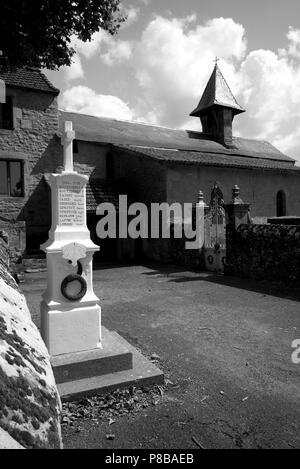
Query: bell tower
point(217, 108)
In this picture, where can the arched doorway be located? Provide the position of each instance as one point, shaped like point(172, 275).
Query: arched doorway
point(281, 204)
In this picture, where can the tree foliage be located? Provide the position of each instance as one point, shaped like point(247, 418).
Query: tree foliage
point(38, 33)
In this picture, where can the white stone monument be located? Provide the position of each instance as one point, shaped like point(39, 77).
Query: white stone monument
point(85, 356)
point(70, 313)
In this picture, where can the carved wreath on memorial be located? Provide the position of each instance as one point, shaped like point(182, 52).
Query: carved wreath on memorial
point(74, 286)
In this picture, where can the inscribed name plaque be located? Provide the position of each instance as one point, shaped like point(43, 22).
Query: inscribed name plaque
point(71, 204)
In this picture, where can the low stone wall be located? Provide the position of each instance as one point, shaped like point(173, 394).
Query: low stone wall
point(270, 252)
point(15, 234)
point(181, 256)
point(173, 251)
point(29, 402)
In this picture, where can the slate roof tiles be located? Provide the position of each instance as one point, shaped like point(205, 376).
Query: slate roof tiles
point(28, 77)
point(217, 93)
point(205, 159)
point(132, 134)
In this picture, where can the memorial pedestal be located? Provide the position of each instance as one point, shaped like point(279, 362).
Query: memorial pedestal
point(82, 324)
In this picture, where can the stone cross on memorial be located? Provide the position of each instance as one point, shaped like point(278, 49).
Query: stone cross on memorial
point(70, 313)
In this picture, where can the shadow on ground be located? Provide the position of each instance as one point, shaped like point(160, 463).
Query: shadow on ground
point(278, 289)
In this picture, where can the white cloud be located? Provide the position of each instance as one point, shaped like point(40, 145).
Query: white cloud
point(271, 95)
point(131, 13)
point(75, 71)
point(89, 48)
point(174, 57)
point(83, 49)
point(294, 42)
point(86, 101)
point(110, 50)
point(117, 52)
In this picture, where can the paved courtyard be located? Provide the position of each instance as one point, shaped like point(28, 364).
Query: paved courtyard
point(224, 344)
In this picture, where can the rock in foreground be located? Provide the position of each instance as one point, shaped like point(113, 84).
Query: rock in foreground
point(29, 401)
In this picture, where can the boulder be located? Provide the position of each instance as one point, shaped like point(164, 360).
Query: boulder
point(29, 402)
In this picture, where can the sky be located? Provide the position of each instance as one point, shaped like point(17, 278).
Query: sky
point(156, 68)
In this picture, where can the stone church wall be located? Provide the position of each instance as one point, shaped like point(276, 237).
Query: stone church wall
point(91, 159)
point(259, 187)
point(146, 181)
point(145, 177)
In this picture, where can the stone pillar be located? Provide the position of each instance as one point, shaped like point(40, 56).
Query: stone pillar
point(195, 225)
point(189, 249)
point(237, 213)
point(2, 91)
point(68, 146)
point(200, 209)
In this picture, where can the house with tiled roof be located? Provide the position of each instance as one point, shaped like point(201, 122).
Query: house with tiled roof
point(28, 125)
point(147, 163)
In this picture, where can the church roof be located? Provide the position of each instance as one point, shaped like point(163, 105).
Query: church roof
point(172, 156)
point(217, 93)
point(110, 131)
point(28, 77)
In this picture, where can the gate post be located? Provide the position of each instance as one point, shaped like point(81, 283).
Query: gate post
point(200, 207)
point(237, 213)
point(196, 226)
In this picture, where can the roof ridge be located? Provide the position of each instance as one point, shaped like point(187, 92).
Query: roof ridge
point(126, 121)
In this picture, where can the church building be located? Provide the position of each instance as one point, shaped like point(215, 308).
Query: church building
point(148, 163)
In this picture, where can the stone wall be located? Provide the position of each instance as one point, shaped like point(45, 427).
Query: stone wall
point(270, 252)
point(33, 142)
point(16, 239)
point(173, 250)
point(179, 255)
point(29, 402)
point(91, 159)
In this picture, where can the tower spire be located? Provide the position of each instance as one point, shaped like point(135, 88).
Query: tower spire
point(217, 107)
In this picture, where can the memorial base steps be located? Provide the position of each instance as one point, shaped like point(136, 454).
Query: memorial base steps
point(117, 365)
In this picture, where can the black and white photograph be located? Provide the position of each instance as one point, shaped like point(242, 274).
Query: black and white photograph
point(149, 227)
